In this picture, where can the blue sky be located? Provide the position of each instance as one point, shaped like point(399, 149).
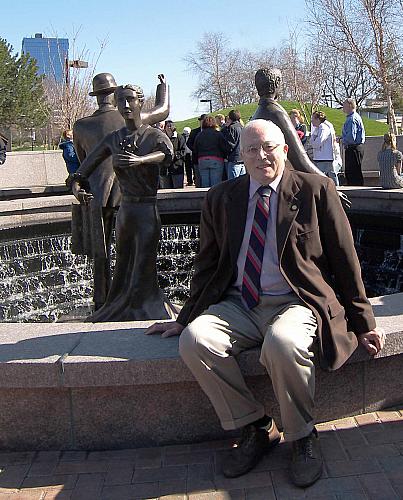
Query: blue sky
point(150, 37)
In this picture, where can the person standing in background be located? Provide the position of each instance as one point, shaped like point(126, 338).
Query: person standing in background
point(323, 139)
point(353, 138)
point(232, 134)
point(171, 176)
point(390, 163)
point(188, 158)
point(69, 153)
point(298, 121)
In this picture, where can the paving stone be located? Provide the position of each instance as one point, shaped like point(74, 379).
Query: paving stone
point(58, 495)
point(283, 487)
point(73, 456)
point(390, 464)
point(42, 469)
point(384, 437)
point(250, 480)
point(219, 495)
point(261, 493)
point(325, 427)
point(176, 448)
point(149, 458)
point(278, 458)
point(344, 423)
point(126, 454)
point(335, 486)
point(221, 444)
point(68, 482)
point(378, 487)
point(26, 495)
point(369, 420)
point(88, 486)
point(341, 468)
point(47, 456)
point(16, 457)
point(199, 486)
point(173, 497)
point(382, 450)
point(172, 487)
point(352, 437)
point(98, 456)
point(119, 475)
point(332, 448)
point(13, 476)
point(196, 457)
point(161, 474)
point(82, 467)
point(201, 472)
point(353, 496)
point(130, 492)
point(389, 416)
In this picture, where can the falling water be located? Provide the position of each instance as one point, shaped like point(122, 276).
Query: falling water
point(40, 279)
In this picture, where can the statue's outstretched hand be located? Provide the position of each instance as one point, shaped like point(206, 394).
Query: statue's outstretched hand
point(167, 329)
point(81, 194)
point(162, 78)
point(127, 160)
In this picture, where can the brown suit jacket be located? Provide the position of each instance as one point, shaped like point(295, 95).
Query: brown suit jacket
point(316, 255)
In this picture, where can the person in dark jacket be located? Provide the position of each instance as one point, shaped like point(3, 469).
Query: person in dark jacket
point(232, 133)
point(69, 153)
point(209, 151)
point(171, 176)
point(190, 144)
point(3, 144)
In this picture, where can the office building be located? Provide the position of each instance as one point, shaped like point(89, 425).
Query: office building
point(51, 55)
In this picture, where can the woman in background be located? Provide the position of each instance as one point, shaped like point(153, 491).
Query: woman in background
point(298, 121)
point(323, 142)
point(390, 163)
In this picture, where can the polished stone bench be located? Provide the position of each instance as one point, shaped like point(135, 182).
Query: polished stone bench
point(102, 386)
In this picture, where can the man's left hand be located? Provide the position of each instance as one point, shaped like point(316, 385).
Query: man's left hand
point(127, 160)
point(373, 341)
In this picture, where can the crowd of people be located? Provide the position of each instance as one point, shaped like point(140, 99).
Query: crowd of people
point(210, 153)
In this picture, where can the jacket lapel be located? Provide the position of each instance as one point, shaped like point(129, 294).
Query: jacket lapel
point(287, 210)
point(236, 208)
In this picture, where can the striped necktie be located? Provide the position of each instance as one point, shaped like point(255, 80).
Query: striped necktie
point(254, 257)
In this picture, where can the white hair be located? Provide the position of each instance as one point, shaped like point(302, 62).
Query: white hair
point(275, 132)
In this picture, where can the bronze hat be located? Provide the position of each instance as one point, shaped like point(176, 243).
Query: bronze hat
point(103, 83)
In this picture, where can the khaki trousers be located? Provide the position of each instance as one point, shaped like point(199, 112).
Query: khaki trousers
point(284, 328)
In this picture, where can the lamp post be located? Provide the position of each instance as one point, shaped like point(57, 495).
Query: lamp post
point(209, 101)
point(78, 64)
point(328, 96)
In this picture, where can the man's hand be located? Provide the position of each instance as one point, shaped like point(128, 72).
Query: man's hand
point(168, 329)
point(82, 196)
point(127, 160)
point(373, 341)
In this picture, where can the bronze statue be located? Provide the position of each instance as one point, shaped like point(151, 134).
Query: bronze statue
point(268, 85)
point(103, 185)
point(137, 150)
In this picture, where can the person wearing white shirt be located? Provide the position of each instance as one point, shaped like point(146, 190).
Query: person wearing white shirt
point(323, 139)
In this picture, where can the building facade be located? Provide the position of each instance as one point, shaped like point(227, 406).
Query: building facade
point(51, 55)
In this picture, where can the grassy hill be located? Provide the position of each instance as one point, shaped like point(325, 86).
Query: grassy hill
point(335, 116)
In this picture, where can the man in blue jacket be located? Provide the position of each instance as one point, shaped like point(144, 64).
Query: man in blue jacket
point(353, 137)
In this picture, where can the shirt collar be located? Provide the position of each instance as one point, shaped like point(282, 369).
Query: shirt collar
point(254, 185)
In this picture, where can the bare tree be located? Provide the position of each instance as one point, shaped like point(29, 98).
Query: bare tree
point(68, 99)
point(370, 30)
point(214, 63)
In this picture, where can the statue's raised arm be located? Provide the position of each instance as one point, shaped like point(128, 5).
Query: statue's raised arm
point(160, 111)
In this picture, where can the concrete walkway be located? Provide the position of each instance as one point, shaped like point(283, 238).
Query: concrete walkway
point(363, 455)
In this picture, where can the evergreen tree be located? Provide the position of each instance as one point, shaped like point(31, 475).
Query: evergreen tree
point(21, 91)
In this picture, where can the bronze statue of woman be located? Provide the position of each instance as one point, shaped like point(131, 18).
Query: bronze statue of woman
point(137, 151)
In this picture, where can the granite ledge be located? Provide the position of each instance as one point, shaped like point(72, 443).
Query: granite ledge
point(99, 355)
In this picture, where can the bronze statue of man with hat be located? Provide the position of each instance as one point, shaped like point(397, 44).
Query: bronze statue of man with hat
point(104, 198)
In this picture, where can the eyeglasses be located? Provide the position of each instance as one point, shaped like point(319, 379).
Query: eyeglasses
point(268, 148)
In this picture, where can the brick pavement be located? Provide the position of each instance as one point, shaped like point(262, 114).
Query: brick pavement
point(363, 460)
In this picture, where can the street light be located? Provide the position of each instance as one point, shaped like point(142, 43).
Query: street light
point(208, 100)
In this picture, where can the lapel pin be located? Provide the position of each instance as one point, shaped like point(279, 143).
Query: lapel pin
point(294, 207)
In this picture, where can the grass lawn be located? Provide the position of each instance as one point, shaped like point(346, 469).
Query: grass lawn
point(335, 116)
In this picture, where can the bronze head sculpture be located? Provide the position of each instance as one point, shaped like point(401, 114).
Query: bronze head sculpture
point(268, 82)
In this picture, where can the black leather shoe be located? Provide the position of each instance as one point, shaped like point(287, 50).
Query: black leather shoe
point(307, 461)
point(254, 443)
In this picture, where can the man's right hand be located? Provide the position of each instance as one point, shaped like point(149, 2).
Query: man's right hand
point(167, 329)
point(82, 196)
